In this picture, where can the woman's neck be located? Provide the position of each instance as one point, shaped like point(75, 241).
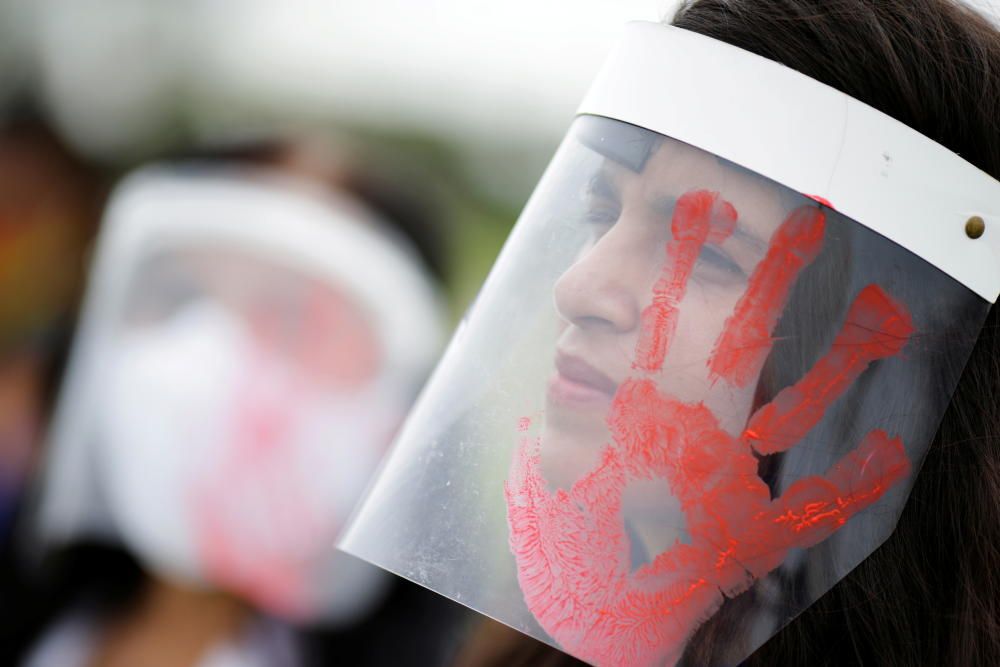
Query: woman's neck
point(170, 625)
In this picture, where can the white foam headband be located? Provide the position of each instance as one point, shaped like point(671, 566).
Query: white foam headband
point(809, 137)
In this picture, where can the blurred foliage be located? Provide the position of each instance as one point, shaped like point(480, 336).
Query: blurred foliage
point(473, 223)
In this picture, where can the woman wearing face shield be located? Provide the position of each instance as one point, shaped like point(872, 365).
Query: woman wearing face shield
point(782, 368)
point(241, 365)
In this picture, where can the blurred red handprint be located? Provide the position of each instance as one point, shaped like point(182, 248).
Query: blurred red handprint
point(572, 547)
point(255, 522)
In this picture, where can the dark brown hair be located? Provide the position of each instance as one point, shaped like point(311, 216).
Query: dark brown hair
point(931, 594)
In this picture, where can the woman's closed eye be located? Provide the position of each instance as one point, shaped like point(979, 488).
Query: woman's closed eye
point(602, 213)
point(715, 266)
point(600, 216)
point(603, 203)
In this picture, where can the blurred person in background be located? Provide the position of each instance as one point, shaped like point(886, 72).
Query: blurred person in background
point(252, 337)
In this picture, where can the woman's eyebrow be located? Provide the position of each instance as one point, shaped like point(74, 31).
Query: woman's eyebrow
point(603, 185)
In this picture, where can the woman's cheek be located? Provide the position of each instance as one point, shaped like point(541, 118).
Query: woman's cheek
point(685, 375)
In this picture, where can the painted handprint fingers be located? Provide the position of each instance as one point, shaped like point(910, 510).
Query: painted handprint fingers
point(815, 507)
point(875, 465)
point(699, 216)
point(746, 341)
point(876, 327)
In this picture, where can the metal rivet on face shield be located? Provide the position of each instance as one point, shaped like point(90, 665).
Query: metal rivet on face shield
point(975, 227)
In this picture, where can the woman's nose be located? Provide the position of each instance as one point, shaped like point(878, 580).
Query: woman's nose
point(596, 291)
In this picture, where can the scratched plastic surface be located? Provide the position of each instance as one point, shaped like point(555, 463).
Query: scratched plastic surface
point(686, 402)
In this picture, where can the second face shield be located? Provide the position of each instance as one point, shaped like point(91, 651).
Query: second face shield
point(248, 346)
point(686, 403)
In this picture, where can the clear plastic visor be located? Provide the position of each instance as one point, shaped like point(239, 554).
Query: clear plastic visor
point(687, 401)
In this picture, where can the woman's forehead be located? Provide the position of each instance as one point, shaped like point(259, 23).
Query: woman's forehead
point(675, 168)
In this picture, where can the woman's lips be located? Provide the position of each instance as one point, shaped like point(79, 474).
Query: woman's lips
point(577, 383)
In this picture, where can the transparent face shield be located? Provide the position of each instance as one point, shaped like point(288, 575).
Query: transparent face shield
point(235, 386)
point(687, 402)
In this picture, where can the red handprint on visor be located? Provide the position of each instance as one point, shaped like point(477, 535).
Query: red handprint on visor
point(572, 548)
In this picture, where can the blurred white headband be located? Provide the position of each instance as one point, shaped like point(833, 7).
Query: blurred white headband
point(809, 137)
point(285, 219)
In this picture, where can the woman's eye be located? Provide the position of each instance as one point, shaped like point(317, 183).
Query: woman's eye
point(719, 266)
point(602, 215)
